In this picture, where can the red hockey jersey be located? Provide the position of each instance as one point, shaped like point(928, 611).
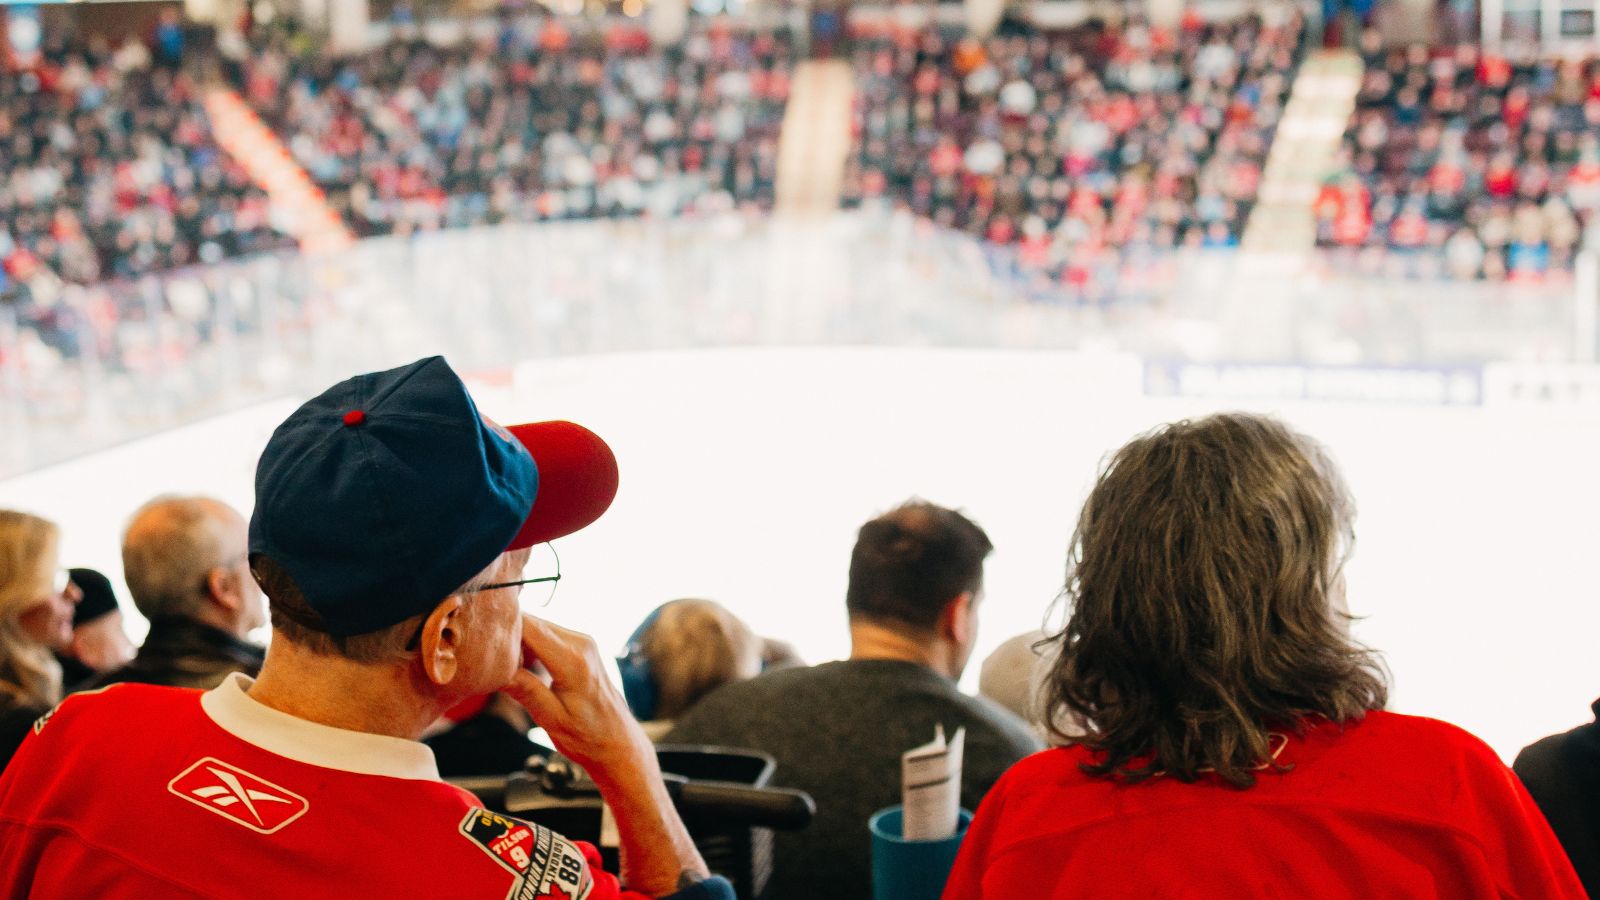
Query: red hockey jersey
point(140, 792)
point(1392, 806)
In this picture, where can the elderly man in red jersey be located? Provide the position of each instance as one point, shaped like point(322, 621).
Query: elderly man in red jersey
point(390, 533)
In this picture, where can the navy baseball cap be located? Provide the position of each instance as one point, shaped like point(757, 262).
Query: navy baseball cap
point(390, 490)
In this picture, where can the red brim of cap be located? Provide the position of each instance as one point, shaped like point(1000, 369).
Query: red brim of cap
point(577, 480)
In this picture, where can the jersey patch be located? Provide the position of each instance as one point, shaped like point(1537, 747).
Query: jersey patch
point(238, 796)
point(547, 866)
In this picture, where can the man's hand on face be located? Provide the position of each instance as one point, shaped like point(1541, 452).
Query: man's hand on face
point(576, 703)
point(589, 721)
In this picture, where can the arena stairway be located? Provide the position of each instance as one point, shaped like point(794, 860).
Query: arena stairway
point(1304, 150)
point(816, 138)
point(299, 206)
point(1258, 316)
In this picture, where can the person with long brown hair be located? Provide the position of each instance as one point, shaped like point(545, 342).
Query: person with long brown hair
point(1222, 734)
point(36, 602)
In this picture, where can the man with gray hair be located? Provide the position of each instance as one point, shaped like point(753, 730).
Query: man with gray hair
point(186, 563)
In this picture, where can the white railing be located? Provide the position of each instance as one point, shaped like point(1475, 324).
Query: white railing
point(118, 360)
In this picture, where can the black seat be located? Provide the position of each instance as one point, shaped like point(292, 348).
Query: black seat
point(720, 792)
point(743, 855)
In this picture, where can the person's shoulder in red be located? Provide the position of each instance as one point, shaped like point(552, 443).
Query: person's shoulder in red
point(1405, 738)
point(1455, 781)
point(113, 707)
point(1413, 803)
point(44, 783)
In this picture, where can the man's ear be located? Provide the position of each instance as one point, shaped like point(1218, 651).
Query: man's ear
point(222, 584)
point(958, 621)
point(441, 640)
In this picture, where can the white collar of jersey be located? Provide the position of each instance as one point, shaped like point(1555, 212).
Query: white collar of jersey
point(253, 722)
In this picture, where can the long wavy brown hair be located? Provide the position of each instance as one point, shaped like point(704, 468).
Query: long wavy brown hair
point(1206, 604)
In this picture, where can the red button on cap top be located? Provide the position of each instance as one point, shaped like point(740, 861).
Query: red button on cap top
point(354, 417)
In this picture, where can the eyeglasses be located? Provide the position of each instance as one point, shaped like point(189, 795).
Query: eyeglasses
point(551, 580)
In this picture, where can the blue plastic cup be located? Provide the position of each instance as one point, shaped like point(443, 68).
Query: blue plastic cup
point(910, 870)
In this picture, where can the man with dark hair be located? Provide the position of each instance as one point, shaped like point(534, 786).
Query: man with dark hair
point(185, 564)
point(837, 730)
point(391, 528)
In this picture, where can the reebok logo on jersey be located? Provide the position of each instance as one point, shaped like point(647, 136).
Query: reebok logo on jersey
point(235, 794)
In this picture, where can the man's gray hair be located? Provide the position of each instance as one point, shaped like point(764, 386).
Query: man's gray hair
point(169, 546)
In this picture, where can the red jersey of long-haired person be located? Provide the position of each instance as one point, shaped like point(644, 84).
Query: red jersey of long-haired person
point(1389, 806)
point(99, 804)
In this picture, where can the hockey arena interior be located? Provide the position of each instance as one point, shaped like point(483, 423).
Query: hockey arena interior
point(799, 449)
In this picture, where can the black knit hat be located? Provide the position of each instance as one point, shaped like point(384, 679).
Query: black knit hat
point(98, 598)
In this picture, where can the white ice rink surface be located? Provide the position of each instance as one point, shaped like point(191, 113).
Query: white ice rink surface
point(746, 472)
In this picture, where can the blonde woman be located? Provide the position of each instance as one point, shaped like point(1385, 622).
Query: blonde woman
point(36, 602)
point(683, 651)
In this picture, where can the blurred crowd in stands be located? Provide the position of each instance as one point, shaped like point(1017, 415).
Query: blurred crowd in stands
point(1076, 160)
point(539, 122)
point(114, 171)
point(1089, 150)
point(108, 170)
point(1483, 165)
